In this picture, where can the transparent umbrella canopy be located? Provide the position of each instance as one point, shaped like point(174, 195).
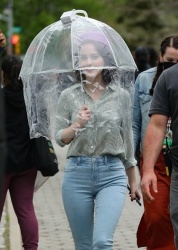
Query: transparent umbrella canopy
point(53, 63)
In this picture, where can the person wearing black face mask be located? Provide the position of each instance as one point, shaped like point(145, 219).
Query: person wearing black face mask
point(167, 65)
point(155, 230)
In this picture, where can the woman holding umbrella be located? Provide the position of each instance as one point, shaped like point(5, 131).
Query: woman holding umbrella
point(81, 72)
point(93, 117)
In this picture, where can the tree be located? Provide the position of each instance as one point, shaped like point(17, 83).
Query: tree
point(139, 22)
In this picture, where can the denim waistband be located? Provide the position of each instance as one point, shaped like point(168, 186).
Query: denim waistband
point(102, 159)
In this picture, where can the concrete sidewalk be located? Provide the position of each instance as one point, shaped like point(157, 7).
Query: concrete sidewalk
point(53, 226)
point(2, 230)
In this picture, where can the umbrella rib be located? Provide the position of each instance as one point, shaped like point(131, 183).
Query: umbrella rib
point(108, 43)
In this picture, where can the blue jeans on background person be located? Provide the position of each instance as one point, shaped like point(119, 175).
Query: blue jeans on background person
point(93, 191)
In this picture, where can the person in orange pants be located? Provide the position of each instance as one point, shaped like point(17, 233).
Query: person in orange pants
point(155, 230)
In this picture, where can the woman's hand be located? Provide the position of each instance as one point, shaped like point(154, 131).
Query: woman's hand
point(134, 193)
point(133, 184)
point(83, 116)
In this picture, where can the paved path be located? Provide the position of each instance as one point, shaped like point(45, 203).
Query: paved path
point(54, 230)
point(2, 230)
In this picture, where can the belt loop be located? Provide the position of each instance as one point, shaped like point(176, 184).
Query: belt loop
point(106, 160)
point(78, 159)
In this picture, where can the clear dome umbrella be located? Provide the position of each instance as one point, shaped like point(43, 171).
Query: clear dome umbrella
point(53, 63)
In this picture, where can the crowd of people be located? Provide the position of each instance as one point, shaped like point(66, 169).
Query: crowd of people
point(99, 167)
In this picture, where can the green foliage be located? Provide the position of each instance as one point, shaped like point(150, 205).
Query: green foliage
point(139, 22)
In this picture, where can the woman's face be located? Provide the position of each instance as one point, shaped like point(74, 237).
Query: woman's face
point(89, 57)
point(171, 55)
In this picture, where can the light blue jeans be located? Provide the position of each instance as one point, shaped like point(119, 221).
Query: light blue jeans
point(93, 191)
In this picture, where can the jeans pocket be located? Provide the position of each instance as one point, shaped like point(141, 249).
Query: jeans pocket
point(71, 165)
point(115, 164)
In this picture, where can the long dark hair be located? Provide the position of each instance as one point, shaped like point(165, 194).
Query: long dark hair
point(11, 66)
point(170, 41)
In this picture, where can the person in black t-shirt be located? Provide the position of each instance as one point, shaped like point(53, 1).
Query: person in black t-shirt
point(164, 105)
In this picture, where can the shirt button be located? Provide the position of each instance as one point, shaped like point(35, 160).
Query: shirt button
point(91, 147)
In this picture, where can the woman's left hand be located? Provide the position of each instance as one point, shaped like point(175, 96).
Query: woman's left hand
point(134, 193)
point(133, 183)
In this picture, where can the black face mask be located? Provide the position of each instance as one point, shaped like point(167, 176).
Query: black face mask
point(167, 65)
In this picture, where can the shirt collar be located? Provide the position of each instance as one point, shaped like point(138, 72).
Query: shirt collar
point(112, 86)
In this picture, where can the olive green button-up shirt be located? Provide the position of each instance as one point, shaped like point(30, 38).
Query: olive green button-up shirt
point(109, 130)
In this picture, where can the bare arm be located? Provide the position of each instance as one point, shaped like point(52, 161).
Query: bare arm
point(69, 133)
point(152, 146)
point(132, 182)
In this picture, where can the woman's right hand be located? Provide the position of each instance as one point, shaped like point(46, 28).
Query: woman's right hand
point(83, 116)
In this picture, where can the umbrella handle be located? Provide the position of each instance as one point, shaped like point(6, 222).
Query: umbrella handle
point(81, 12)
point(69, 16)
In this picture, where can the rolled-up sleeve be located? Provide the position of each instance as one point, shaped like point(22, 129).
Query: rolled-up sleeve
point(160, 102)
point(137, 119)
point(127, 134)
